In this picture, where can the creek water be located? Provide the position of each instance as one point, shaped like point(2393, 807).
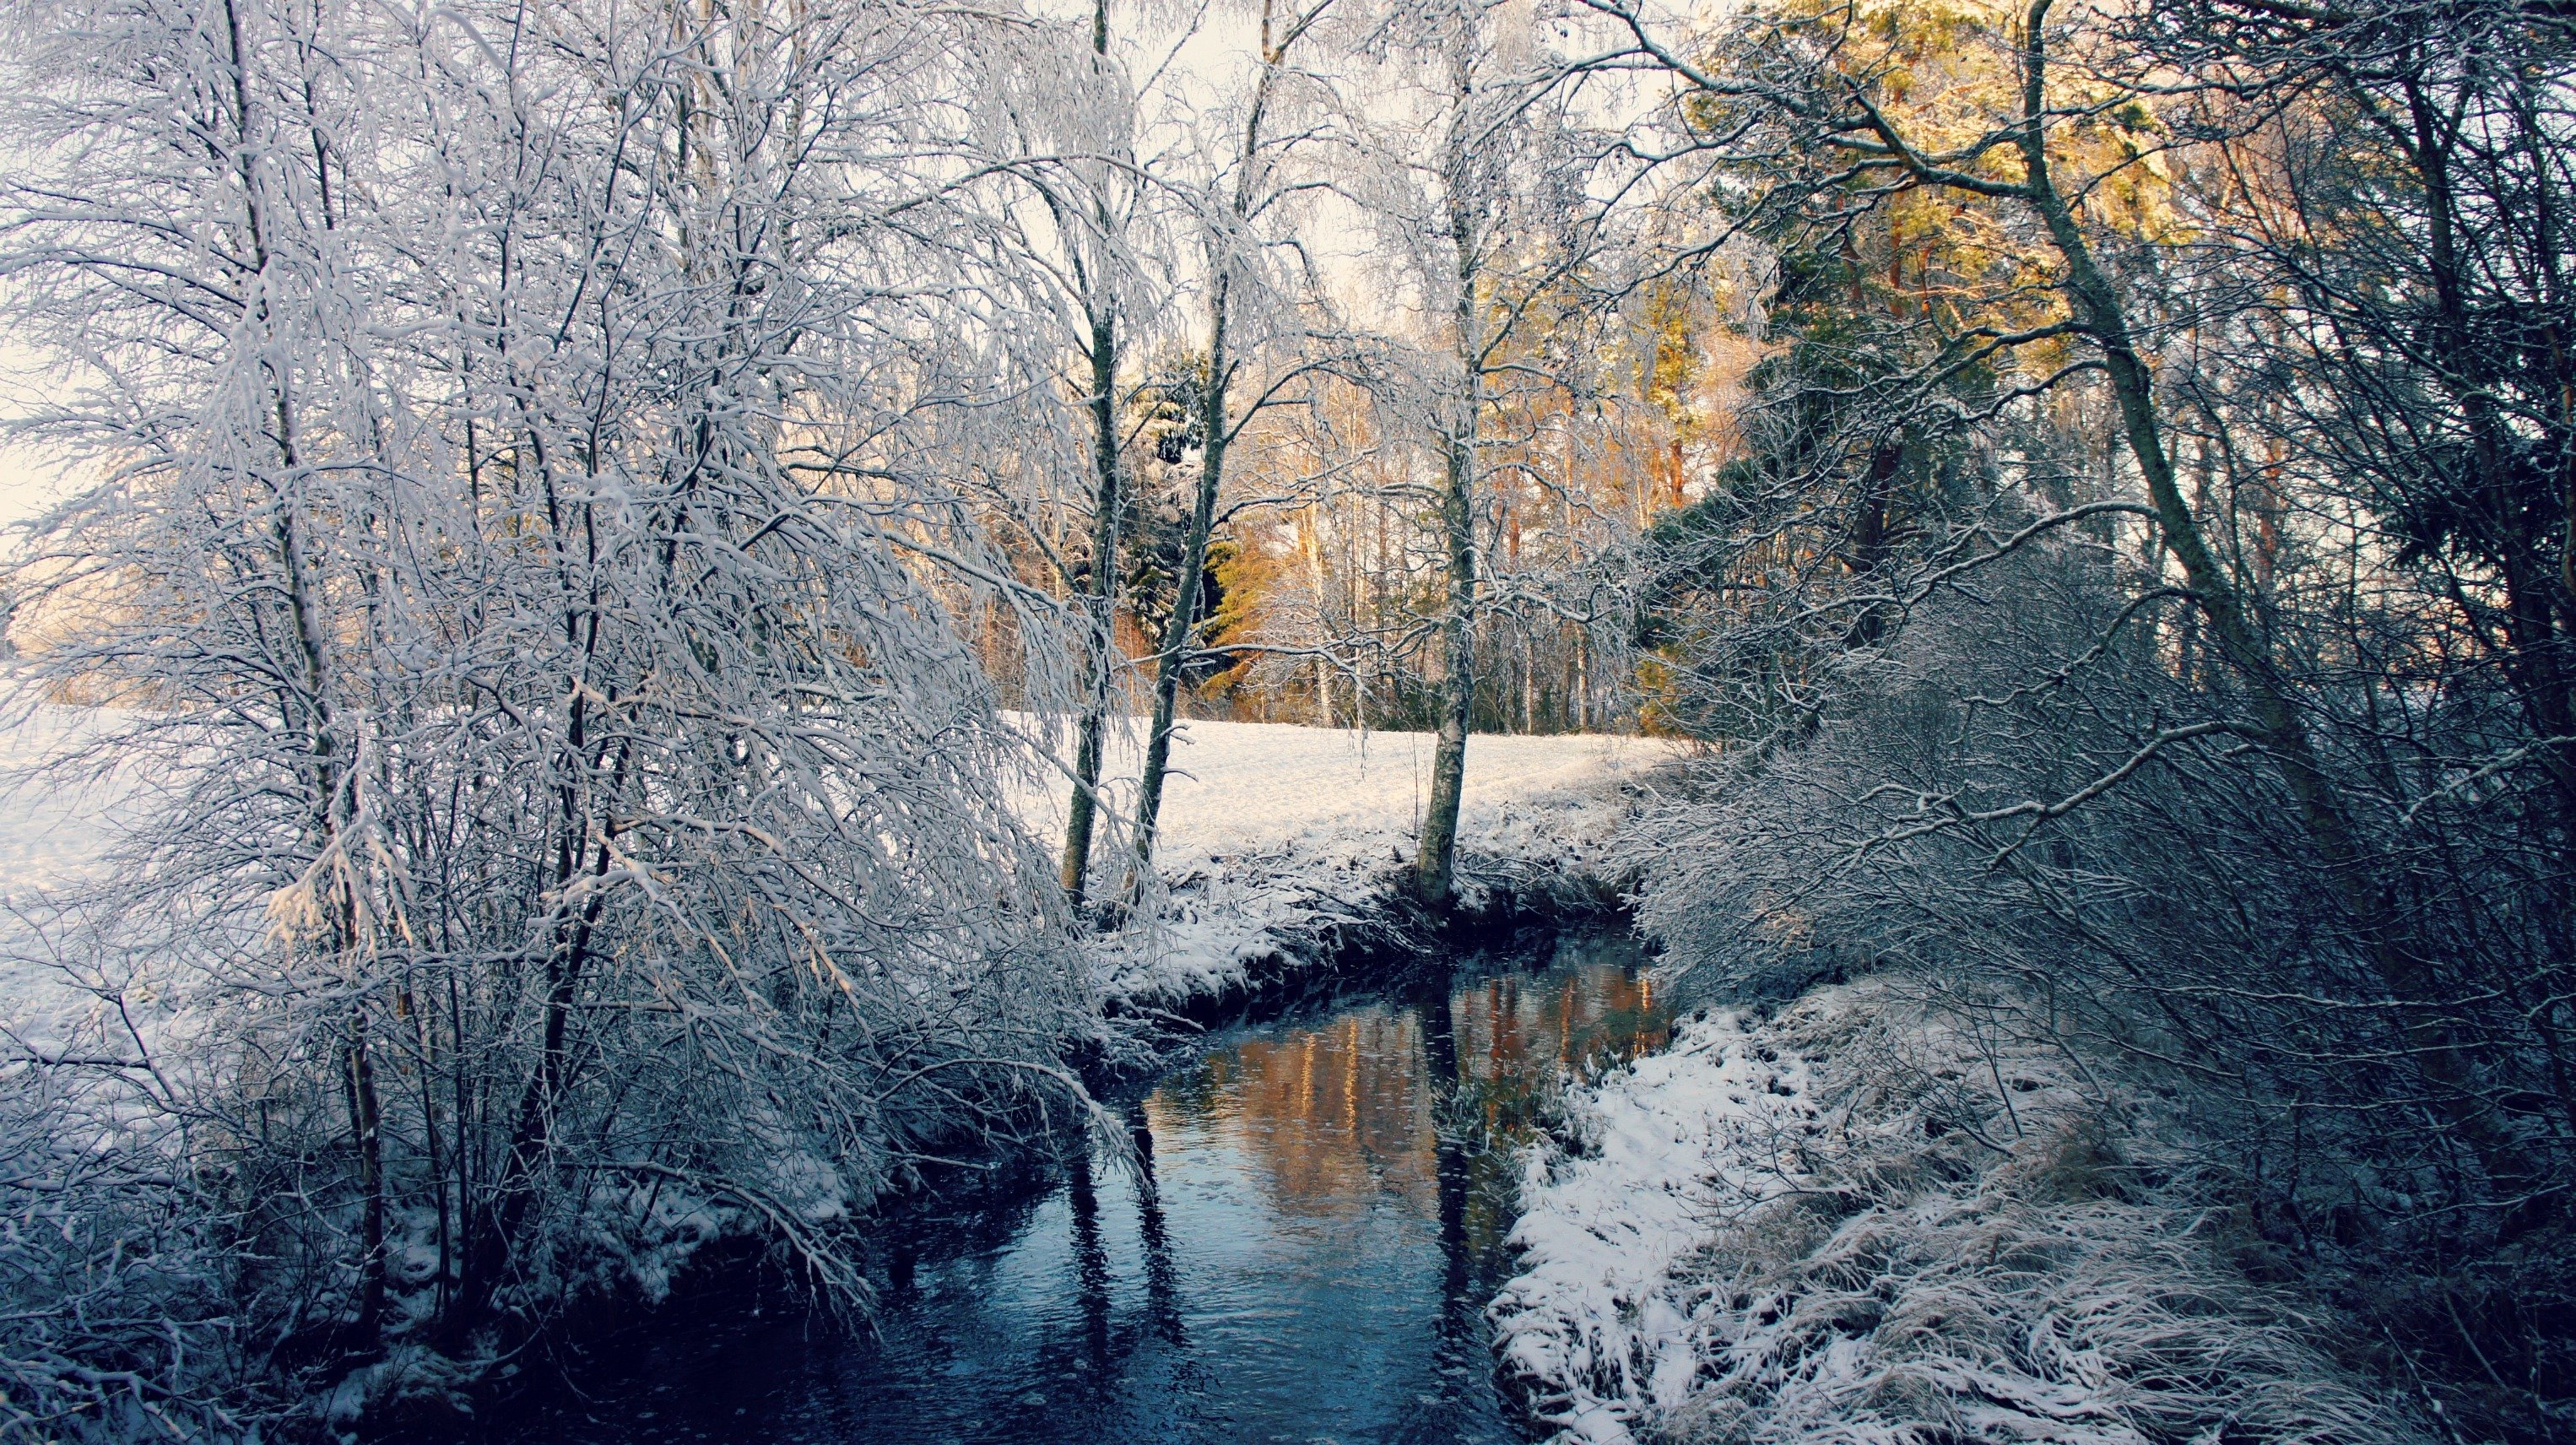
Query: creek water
point(1298, 1245)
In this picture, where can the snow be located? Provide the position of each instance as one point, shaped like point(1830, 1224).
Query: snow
point(1862, 1221)
point(1271, 832)
point(50, 834)
point(47, 832)
point(1250, 785)
point(1598, 1324)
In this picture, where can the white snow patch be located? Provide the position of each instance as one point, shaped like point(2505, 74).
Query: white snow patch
point(1237, 786)
point(48, 832)
point(1598, 1322)
point(1271, 830)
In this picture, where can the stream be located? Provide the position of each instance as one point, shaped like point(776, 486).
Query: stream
point(1300, 1248)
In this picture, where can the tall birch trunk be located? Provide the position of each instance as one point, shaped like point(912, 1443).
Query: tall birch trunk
point(1215, 428)
point(1177, 631)
point(1435, 860)
point(1100, 674)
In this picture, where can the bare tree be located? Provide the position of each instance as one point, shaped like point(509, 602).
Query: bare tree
point(1257, 189)
point(530, 579)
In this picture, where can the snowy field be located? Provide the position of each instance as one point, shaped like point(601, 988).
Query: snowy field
point(46, 831)
point(1269, 830)
point(50, 833)
point(1253, 785)
point(1234, 787)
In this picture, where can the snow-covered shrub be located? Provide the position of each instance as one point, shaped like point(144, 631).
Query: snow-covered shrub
point(531, 585)
point(2020, 806)
point(112, 1304)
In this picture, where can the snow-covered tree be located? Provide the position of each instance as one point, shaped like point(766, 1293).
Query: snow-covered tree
point(530, 578)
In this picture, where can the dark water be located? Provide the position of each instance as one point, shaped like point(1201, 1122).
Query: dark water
point(1301, 1249)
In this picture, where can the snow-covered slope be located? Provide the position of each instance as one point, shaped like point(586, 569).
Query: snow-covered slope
point(1271, 832)
point(1865, 1220)
point(1599, 1326)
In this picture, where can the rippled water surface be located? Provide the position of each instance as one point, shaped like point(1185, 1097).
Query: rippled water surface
point(1301, 1250)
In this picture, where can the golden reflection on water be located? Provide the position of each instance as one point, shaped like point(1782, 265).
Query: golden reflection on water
point(1342, 1118)
point(1301, 1245)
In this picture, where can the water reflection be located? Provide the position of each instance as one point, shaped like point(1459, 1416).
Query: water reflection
point(1296, 1244)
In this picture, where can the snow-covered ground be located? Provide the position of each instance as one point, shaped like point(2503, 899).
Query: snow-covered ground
point(50, 833)
point(1268, 831)
point(1860, 1221)
point(1250, 785)
point(46, 831)
point(1271, 831)
point(1599, 1325)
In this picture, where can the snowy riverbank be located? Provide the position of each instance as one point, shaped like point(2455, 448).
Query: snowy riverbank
point(1275, 837)
point(1599, 1327)
point(1855, 1219)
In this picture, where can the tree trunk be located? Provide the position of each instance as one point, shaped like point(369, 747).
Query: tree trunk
point(366, 1118)
point(1435, 859)
point(1097, 674)
point(1184, 619)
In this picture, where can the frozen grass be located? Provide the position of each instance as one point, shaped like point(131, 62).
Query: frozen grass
point(1598, 1327)
point(1859, 1224)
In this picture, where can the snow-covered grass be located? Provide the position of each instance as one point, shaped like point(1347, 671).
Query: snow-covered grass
point(1862, 1223)
point(1271, 833)
point(1597, 1326)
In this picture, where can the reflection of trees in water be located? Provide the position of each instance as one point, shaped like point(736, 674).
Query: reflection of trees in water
point(1333, 1115)
point(1518, 1034)
point(1341, 1115)
point(1162, 1282)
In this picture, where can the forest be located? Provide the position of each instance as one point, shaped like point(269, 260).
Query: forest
point(634, 578)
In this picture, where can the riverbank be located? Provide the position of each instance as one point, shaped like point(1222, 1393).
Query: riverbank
point(1290, 1232)
point(1855, 1219)
point(1282, 847)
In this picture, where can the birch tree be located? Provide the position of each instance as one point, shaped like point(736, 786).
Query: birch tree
point(1253, 187)
point(1489, 217)
point(529, 580)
